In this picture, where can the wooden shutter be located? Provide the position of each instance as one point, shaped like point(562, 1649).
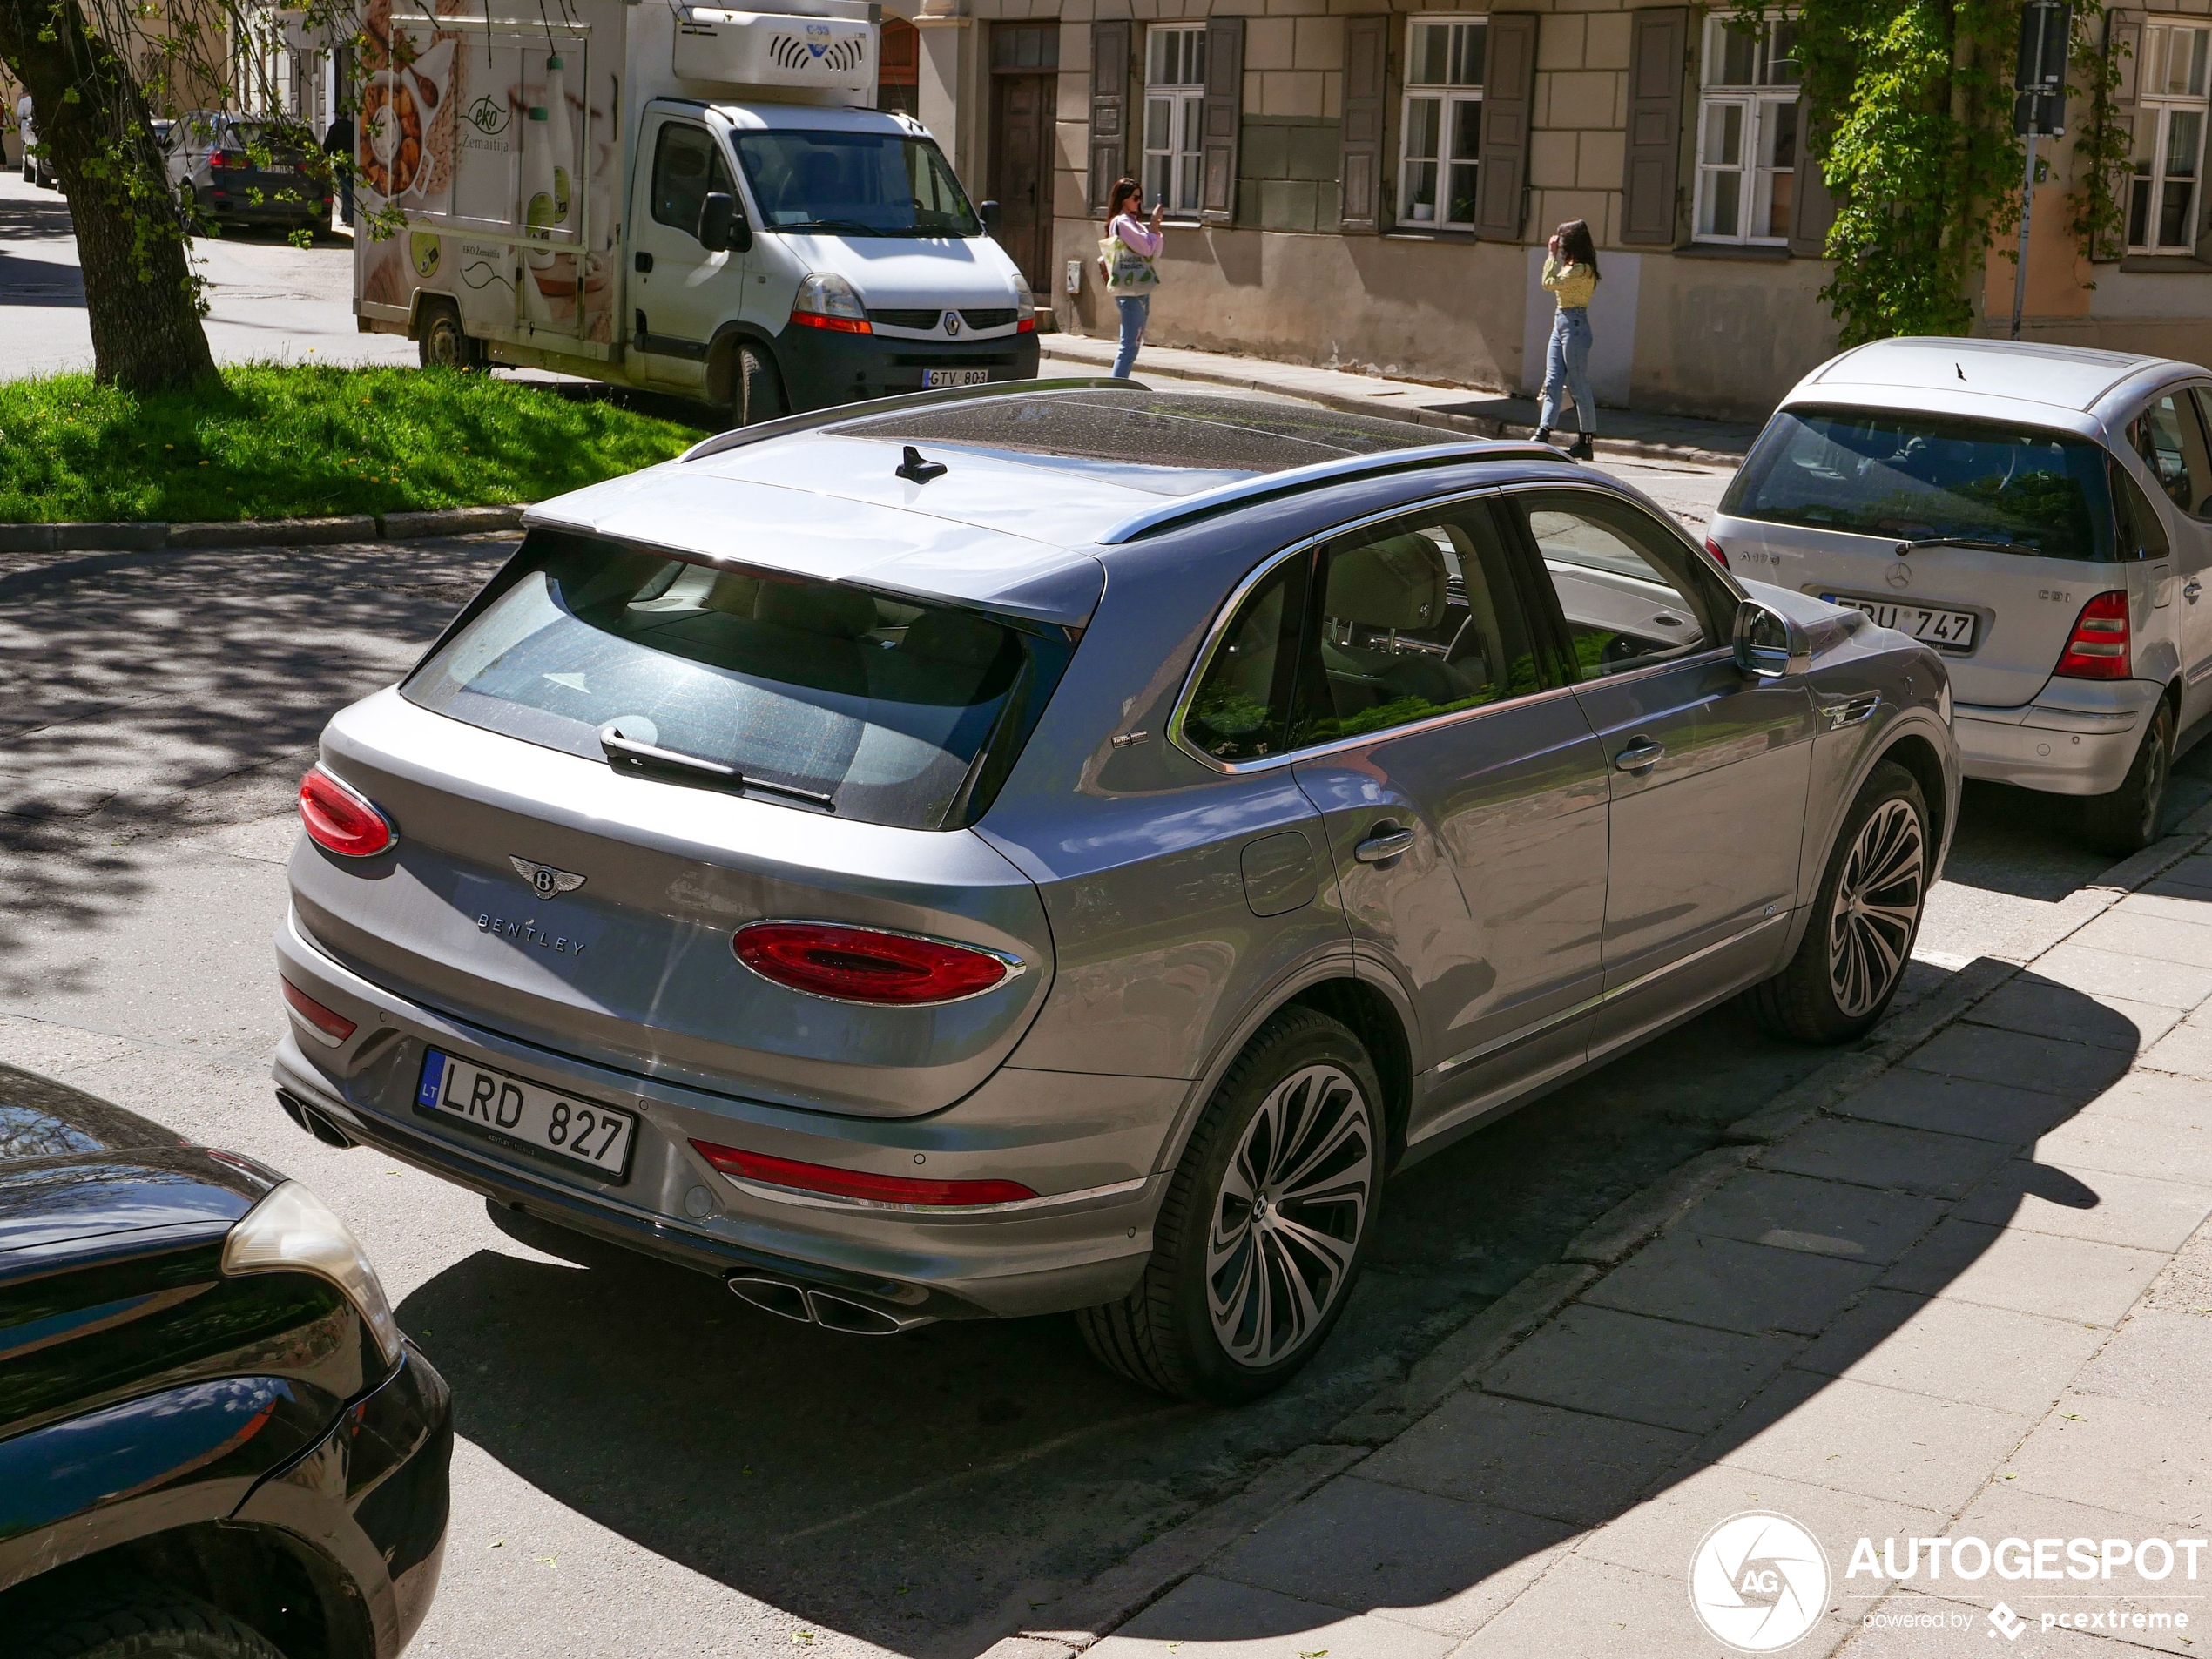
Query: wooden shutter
point(1219, 118)
point(1109, 47)
point(1658, 65)
point(1367, 67)
point(1812, 210)
point(1508, 96)
point(2124, 45)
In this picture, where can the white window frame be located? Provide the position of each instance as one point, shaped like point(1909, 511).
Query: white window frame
point(1174, 113)
point(1758, 105)
point(1457, 105)
point(2157, 107)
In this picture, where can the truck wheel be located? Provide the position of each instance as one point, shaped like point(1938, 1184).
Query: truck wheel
point(442, 342)
point(1865, 917)
point(2129, 818)
point(761, 390)
point(1265, 1223)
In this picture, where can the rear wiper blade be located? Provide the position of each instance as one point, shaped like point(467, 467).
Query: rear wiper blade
point(624, 754)
point(1903, 548)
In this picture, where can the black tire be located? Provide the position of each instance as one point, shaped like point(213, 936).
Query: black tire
point(1818, 997)
point(759, 389)
point(142, 1625)
point(1306, 1072)
point(2131, 818)
point(441, 342)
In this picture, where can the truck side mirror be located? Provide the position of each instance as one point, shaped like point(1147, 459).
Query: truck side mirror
point(1768, 644)
point(989, 211)
point(722, 228)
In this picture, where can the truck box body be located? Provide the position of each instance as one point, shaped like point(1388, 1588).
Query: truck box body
point(542, 179)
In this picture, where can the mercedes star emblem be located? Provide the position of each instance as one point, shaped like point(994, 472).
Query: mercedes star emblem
point(1898, 575)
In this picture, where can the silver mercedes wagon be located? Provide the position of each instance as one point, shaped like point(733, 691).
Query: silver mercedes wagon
point(1061, 846)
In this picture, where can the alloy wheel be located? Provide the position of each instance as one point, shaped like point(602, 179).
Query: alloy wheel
point(1877, 905)
point(1287, 1221)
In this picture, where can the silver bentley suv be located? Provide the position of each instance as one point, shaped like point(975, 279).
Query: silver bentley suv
point(1061, 846)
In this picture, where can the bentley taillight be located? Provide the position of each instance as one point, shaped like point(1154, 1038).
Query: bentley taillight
point(341, 819)
point(865, 965)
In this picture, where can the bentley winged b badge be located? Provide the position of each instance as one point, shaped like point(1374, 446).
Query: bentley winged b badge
point(545, 881)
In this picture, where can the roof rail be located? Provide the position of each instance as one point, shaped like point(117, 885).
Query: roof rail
point(815, 420)
point(1268, 486)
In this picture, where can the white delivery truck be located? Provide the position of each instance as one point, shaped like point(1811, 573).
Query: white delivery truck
point(675, 196)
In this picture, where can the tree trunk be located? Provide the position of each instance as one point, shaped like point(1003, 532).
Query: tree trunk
point(139, 295)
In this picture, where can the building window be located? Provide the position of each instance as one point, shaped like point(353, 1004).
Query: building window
point(1174, 95)
point(1747, 132)
point(2169, 138)
point(898, 79)
point(1442, 142)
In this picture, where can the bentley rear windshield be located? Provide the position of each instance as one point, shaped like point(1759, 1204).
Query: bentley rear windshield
point(1929, 478)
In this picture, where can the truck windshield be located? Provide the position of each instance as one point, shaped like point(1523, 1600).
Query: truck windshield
point(854, 184)
point(1925, 477)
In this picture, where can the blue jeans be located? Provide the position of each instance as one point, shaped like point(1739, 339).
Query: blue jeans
point(1567, 363)
point(1135, 308)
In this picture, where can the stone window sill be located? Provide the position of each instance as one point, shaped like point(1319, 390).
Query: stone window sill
point(1732, 251)
point(2182, 262)
point(1408, 233)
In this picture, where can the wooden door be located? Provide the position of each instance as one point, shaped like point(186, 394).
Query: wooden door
point(1022, 172)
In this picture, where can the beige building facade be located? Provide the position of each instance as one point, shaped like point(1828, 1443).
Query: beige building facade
point(1365, 187)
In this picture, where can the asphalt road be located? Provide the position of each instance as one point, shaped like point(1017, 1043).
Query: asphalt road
point(647, 1464)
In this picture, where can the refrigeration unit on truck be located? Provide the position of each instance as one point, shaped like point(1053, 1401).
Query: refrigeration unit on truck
point(673, 197)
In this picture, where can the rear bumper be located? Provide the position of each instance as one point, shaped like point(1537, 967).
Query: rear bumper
point(2081, 746)
point(821, 368)
point(1089, 1144)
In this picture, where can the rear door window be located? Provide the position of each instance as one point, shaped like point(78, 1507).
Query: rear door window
point(1925, 477)
point(1240, 709)
point(2166, 435)
point(1630, 592)
point(2136, 531)
point(899, 713)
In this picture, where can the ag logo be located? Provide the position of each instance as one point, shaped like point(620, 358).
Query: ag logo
point(1758, 1582)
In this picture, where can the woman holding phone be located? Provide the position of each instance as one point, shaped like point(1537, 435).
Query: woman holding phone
point(1126, 258)
point(1570, 272)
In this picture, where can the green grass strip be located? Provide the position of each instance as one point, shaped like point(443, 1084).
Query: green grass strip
point(283, 441)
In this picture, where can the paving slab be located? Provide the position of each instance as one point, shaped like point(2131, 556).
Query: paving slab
point(2074, 1279)
point(1984, 1356)
point(2158, 1357)
point(1886, 1156)
point(1956, 1106)
point(2157, 937)
point(2040, 1007)
point(1539, 1459)
point(2141, 1459)
point(1703, 1278)
point(1366, 1547)
point(1658, 1372)
point(41, 1046)
point(2165, 1151)
point(2192, 904)
point(2020, 1060)
point(2184, 1285)
point(1585, 1609)
point(2122, 973)
point(2102, 1204)
point(1860, 1437)
point(1826, 1217)
point(1211, 1618)
point(2186, 1049)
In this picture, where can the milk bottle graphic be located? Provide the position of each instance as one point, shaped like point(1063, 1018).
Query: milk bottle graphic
point(540, 213)
point(561, 143)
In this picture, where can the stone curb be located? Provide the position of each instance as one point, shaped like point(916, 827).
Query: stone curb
point(1636, 449)
point(1124, 1591)
point(154, 535)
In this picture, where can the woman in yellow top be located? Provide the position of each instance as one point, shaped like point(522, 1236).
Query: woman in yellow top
point(1571, 274)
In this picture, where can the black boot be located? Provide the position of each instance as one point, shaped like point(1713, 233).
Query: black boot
point(1543, 435)
point(1582, 449)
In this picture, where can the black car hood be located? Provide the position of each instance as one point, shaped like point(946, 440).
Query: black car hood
point(75, 1166)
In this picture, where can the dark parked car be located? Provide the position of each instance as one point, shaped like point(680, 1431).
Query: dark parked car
point(242, 171)
point(214, 1438)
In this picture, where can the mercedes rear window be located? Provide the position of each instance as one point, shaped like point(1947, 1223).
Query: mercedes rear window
point(1923, 477)
point(815, 695)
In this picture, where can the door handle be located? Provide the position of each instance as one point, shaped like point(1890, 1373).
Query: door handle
point(643, 262)
point(1383, 846)
point(2190, 589)
point(1641, 755)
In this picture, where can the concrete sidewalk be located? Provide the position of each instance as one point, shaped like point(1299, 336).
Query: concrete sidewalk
point(1490, 414)
point(1968, 1297)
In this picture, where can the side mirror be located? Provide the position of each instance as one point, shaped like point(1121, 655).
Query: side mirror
point(722, 227)
point(1768, 644)
point(988, 213)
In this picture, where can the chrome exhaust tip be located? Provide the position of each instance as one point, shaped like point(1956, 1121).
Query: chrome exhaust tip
point(856, 1319)
point(772, 1295)
point(316, 1123)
